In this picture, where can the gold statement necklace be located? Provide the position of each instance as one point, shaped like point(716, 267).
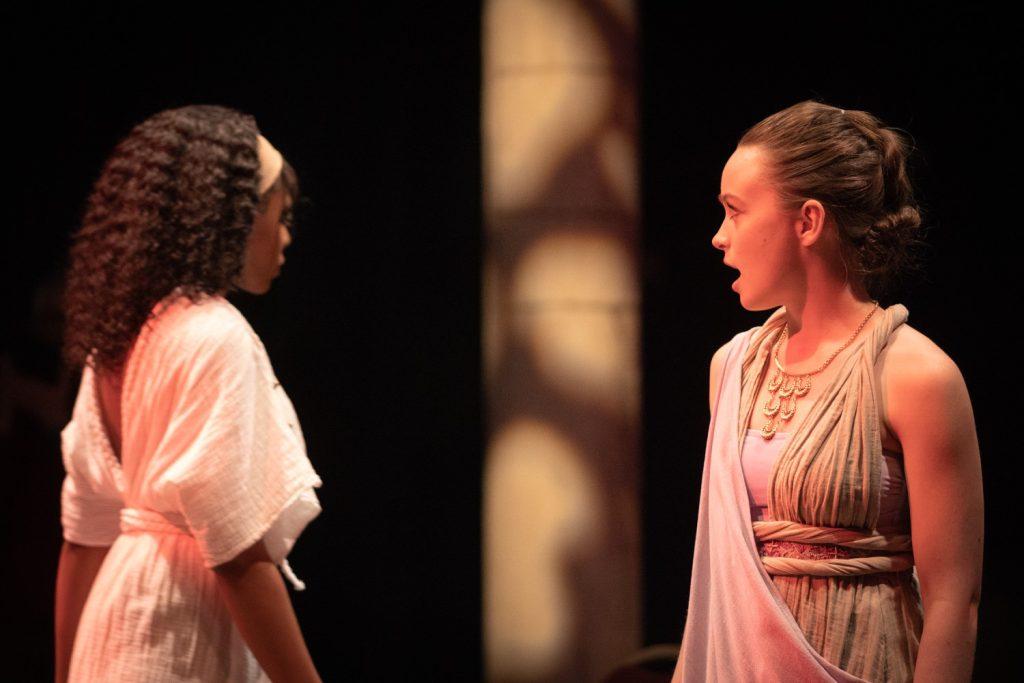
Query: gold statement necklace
point(785, 389)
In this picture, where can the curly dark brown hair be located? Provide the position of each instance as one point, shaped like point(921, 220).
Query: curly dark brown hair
point(172, 209)
point(857, 168)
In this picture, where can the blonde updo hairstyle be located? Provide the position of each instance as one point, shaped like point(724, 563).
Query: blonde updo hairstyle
point(857, 168)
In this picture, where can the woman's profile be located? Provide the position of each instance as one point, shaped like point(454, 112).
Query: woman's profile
point(187, 479)
point(839, 533)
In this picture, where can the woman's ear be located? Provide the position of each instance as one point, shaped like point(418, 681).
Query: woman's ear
point(810, 222)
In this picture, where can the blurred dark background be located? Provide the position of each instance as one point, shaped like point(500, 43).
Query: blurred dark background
point(374, 326)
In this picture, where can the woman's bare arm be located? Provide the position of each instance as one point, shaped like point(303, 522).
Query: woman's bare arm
point(931, 415)
point(259, 604)
point(76, 571)
point(717, 363)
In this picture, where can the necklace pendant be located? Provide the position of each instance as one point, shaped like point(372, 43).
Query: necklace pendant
point(787, 389)
point(768, 430)
point(772, 405)
point(803, 386)
point(786, 413)
point(774, 383)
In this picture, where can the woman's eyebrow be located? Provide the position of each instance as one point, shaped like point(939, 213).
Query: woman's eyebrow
point(723, 197)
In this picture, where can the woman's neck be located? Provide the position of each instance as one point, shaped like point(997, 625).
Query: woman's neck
point(825, 318)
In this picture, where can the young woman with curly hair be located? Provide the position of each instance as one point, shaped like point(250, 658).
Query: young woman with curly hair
point(187, 478)
point(836, 428)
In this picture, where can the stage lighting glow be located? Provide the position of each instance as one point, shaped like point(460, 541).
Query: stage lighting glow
point(541, 510)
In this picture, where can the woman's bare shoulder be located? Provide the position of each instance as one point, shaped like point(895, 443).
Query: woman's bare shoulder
point(717, 364)
point(910, 350)
point(916, 373)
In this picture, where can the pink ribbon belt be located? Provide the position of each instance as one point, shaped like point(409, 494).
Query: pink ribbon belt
point(793, 549)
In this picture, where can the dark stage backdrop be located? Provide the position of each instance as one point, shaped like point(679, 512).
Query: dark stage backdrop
point(372, 327)
point(945, 77)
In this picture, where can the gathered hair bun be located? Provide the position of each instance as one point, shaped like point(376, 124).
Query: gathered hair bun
point(857, 168)
point(905, 218)
point(881, 248)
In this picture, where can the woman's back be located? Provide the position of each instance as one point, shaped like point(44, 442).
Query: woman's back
point(108, 392)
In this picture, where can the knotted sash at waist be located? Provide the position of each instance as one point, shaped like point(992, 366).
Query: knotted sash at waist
point(139, 520)
point(793, 549)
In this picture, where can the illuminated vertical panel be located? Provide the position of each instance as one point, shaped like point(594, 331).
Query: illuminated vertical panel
point(561, 340)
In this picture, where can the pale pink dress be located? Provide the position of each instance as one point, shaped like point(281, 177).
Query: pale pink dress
point(212, 460)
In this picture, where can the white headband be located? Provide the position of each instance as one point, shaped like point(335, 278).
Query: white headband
point(271, 163)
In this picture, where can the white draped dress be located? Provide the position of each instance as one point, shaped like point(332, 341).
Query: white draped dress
point(212, 460)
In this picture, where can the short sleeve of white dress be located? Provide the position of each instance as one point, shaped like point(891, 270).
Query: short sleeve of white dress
point(92, 492)
point(239, 470)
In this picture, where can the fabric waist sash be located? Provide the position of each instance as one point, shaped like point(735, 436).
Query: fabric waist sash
point(793, 549)
point(139, 520)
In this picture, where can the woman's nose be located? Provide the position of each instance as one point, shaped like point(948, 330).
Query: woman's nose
point(718, 241)
point(286, 237)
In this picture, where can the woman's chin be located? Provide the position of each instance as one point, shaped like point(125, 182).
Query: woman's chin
point(253, 287)
point(745, 300)
point(738, 287)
